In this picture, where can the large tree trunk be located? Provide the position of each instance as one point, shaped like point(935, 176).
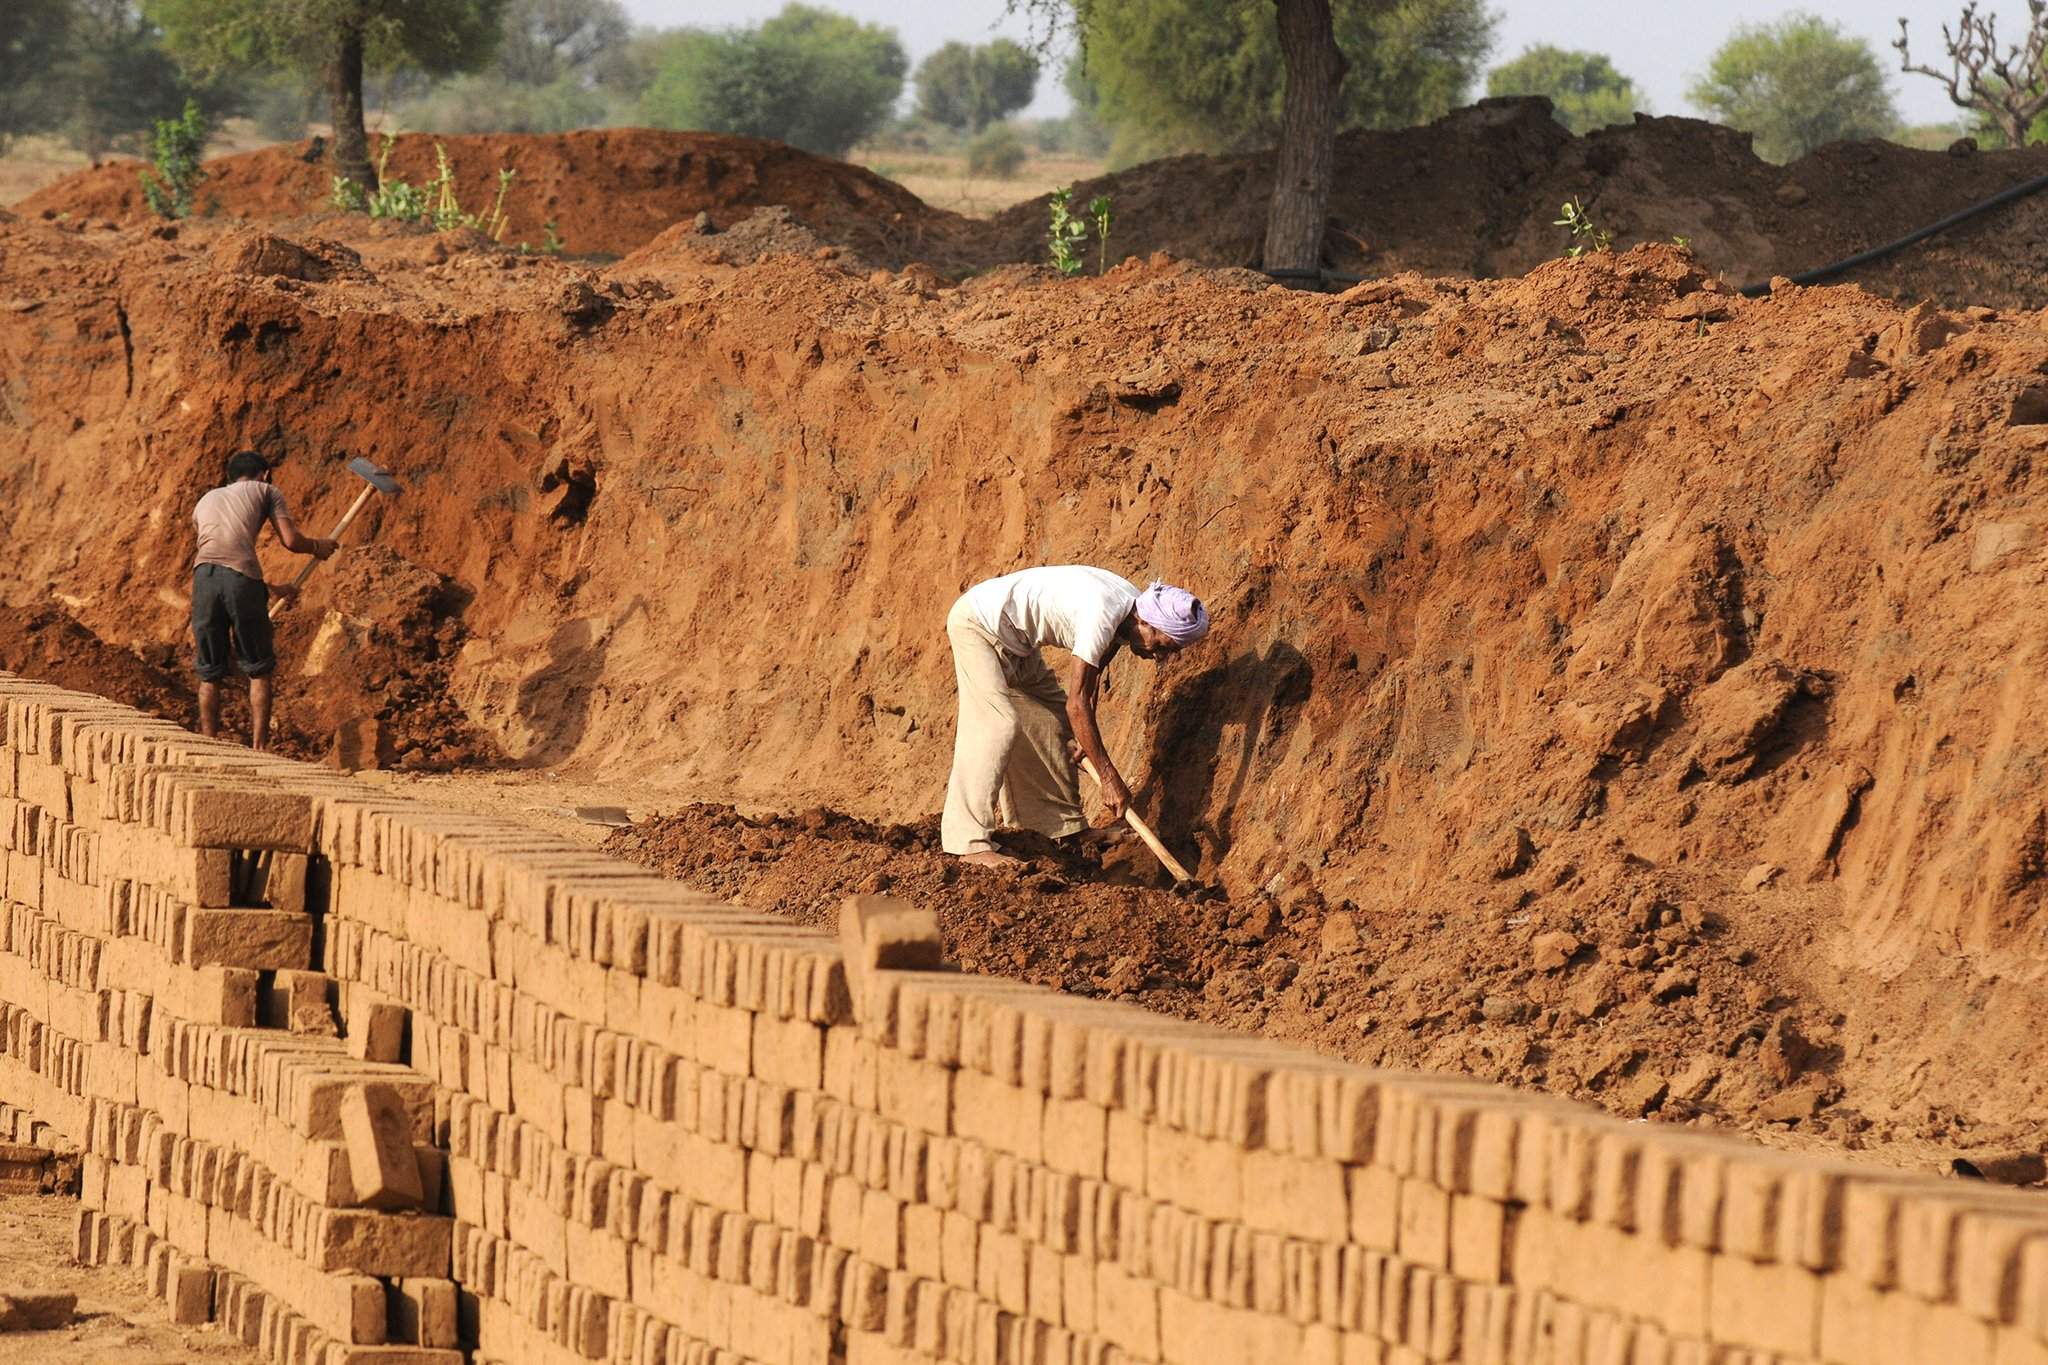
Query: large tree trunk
point(1308, 135)
point(345, 108)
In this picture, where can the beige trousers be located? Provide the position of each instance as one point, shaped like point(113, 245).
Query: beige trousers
point(1010, 766)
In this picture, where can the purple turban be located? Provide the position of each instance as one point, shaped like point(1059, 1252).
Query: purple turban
point(1175, 611)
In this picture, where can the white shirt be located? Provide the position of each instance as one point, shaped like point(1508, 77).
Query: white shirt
point(1073, 606)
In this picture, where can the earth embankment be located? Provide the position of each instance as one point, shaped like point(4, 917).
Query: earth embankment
point(1636, 674)
point(1473, 195)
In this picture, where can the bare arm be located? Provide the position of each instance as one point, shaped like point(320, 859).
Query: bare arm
point(298, 542)
point(1081, 690)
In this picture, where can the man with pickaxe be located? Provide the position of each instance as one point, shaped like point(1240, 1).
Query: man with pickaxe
point(1021, 735)
point(231, 606)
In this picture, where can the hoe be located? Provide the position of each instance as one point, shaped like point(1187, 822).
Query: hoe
point(380, 481)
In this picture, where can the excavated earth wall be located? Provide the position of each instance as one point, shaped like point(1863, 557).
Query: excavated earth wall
point(1596, 608)
point(576, 1113)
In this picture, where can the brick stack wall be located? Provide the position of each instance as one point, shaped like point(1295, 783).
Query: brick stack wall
point(364, 1080)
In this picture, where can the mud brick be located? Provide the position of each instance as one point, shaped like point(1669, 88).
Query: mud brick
point(1871, 1231)
point(189, 1291)
point(1299, 1196)
point(788, 1052)
point(266, 940)
point(386, 1244)
point(202, 876)
point(1928, 1244)
point(44, 784)
point(1076, 1137)
point(1003, 1117)
point(1991, 1261)
point(1772, 1307)
point(596, 1259)
point(1375, 1207)
point(221, 815)
point(1425, 1223)
point(1127, 1310)
point(221, 995)
point(918, 1093)
point(959, 1250)
point(882, 933)
point(377, 1132)
point(1478, 1238)
point(1702, 1186)
point(2017, 1346)
point(376, 1030)
point(299, 1002)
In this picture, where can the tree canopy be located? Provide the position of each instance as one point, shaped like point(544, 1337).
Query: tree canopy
point(335, 38)
point(1191, 75)
point(968, 87)
point(1797, 84)
point(33, 33)
point(1584, 89)
point(808, 77)
point(545, 41)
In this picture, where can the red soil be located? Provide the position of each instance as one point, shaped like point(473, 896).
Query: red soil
point(1472, 195)
point(1596, 603)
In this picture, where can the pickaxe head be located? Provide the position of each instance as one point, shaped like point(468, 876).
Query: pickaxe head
point(378, 476)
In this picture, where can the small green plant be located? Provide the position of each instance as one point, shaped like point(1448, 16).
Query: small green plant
point(1066, 233)
point(551, 243)
point(1682, 243)
point(1098, 209)
point(175, 148)
point(435, 203)
point(1586, 234)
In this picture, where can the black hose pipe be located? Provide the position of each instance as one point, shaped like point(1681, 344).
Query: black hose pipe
point(1815, 276)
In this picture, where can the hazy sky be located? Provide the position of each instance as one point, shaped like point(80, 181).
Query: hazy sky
point(1662, 44)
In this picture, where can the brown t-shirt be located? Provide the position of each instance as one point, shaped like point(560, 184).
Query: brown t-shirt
point(229, 520)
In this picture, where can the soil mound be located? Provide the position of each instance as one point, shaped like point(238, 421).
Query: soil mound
point(606, 191)
point(1473, 195)
point(1476, 193)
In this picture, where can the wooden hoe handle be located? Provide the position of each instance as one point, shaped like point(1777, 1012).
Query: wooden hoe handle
point(1137, 822)
point(306, 571)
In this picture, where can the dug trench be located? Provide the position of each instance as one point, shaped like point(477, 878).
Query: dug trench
point(1619, 687)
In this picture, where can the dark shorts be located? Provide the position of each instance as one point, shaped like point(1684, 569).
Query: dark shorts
point(224, 604)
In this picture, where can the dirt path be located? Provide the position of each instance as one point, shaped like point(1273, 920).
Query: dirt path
point(119, 1322)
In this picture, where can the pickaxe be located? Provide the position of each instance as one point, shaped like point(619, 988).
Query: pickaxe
point(380, 481)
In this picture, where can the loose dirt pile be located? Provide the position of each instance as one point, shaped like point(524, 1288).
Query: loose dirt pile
point(1639, 998)
point(1545, 606)
point(1473, 195)
point(607, 191)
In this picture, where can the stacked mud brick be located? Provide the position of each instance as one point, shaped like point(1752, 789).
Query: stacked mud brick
point(364, 1080)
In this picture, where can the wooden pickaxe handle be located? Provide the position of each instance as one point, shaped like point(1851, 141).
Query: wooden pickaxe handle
point(346, 517)
point(1137, 822)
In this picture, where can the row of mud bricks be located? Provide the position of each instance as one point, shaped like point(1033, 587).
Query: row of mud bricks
point(362, 1080)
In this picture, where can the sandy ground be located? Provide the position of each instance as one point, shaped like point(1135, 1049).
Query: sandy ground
point(943, 181)
point(118, 1322)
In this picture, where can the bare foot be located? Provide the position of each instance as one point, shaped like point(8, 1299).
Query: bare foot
point(988, 857)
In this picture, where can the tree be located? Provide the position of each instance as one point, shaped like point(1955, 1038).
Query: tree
point(32, 35)
point(334, 38)
point(1195, 74)
point(2008, 90)
point(1584, 89)
point(808, 77)
point(118, 79)
point(545, 41)
point(968, 88)
point(1796, 85)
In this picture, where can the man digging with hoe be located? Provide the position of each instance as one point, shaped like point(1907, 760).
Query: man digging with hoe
point(1015, 748)
point(230, 598)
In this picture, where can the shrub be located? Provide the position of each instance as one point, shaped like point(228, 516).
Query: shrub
point(175, 148)
point(996, 151)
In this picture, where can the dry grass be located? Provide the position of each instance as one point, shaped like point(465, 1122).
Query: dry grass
point(943, 181)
